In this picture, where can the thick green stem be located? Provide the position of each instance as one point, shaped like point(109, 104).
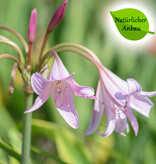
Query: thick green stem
point(26, 140)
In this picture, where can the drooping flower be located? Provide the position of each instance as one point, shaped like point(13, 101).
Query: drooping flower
point(116, 98)
point(61, 85)
point(57, 17)
point(32, 26)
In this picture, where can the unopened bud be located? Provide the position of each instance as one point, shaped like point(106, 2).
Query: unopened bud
point(57, 17)
point(32, 26)
point(13, 74)
point(152, 46)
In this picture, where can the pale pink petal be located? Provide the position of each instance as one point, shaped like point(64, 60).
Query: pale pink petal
point(127, 128)
point(41, 99)
point(122, 134)
point(140, 104)
point(132, 120)
point(116, 88)
point(133, 86)
point(38, 83)
point(58, 71)
point(120, 123)
point(118, 82)
point(64, 102)
point(97, 112)
point(110, 125)
point(148, 94)
point(110, 116)
point(82, 91)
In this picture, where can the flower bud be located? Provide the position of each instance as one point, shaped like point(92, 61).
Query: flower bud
point(57, 17)
point(152, 46)
point(13, 74)
point(32, 26)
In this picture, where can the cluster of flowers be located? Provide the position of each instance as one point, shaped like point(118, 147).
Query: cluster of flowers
point(114, 96)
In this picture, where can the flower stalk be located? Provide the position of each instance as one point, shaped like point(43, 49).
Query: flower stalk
point(71, 47)
point(3, 56)
point(26, 129)
point(43, 45)
point(15, 47)
point(78, 46)
point(28, 67)
point(86, 55)
point(17, 35)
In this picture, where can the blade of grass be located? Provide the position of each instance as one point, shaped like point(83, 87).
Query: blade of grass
point(48, 155)
point(8, 148)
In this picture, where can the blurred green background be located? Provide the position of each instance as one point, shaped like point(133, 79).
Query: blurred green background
point(53, 141)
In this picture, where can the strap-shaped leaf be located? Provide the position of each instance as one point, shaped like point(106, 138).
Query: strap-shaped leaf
point(9, 149)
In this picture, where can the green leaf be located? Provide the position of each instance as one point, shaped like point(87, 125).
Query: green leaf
point(131, 23)
point(15, 140)
point(48, 155)
point(150, 152)
point(71, 149)
point(9, 149)
point(6, 122)
point(69, 145)
point(44, 127)
point(2, 162)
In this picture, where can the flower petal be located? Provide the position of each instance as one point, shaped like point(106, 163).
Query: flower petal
point(148, 94)
point(58, 71)
point(109, 114)
point(118, 82)
point(132, 120)
point(141, 104)
point(41, 99)
point(38, 83)
point(116, 88)
point(97, 112)
point(133, 86)
point(82, 91)
point(120, 123)
point(127, 128)
point(64, 102)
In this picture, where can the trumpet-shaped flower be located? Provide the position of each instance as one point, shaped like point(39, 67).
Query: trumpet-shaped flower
point(117, 97)
point(61, 85)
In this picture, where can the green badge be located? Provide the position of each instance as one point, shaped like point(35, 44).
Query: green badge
point(131, 23)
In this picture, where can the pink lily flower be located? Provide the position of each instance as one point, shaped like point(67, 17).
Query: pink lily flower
point(61, 85)
point(117, 97)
